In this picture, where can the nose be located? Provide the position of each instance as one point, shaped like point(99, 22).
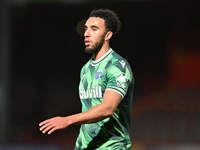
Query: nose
point(86, 33)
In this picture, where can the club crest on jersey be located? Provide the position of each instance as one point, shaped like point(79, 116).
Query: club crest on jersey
point(98, 74)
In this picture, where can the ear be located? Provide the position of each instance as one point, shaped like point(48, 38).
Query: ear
point(108, 35)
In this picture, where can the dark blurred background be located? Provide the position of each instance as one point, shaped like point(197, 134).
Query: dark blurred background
point(42, 52)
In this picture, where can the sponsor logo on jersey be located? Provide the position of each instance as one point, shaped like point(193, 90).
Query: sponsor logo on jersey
point(121, 79)
point(98, 74)
point(95, 92)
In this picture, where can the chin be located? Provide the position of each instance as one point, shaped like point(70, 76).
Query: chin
point(88, 50)
point(94, 49)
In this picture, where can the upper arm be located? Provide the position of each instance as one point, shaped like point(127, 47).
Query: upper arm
point(119, 78)
point(111, 100)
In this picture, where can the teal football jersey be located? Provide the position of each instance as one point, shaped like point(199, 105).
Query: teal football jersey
point(110, 72)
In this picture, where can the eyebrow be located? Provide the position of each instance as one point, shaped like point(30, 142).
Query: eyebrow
point(92, 26)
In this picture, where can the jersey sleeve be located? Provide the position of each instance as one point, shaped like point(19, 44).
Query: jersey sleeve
point(119, 78)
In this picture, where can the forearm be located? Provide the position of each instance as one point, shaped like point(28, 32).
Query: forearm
point(98, 112)
point(95, 114)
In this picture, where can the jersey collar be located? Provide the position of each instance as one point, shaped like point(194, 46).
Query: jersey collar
point(106, 55)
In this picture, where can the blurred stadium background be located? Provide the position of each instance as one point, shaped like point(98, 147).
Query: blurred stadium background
point(42, 53)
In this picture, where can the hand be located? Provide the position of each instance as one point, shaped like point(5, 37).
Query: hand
point(53, 124)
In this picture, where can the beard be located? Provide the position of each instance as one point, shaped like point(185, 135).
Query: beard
point(96, 48)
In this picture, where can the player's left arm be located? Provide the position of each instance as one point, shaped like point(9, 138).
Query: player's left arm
point(116, 90)
point(111, 100)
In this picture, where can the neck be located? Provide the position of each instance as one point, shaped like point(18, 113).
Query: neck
point(102, 51)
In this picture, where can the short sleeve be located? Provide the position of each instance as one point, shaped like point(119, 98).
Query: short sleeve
point(119, 78)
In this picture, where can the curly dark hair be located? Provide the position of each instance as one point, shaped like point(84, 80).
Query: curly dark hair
point(112, 22)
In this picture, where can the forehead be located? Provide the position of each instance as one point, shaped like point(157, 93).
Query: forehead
point(95, 21)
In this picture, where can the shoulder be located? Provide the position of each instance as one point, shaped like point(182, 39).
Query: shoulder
point(119, 66)
point(119, 61)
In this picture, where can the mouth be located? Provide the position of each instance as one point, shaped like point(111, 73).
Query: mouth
point(87, 42)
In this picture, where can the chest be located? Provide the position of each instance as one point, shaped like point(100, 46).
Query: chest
point(94, 76)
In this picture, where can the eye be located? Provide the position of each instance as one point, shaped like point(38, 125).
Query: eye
point(94, 29)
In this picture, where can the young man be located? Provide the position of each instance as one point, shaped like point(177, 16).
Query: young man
point(105, 89)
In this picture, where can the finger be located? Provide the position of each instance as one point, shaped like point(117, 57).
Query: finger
point(44, 122)
point(47, 129)
point(52, 130)
point(45, 126)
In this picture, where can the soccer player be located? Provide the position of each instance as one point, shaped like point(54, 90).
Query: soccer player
point(105, 90)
